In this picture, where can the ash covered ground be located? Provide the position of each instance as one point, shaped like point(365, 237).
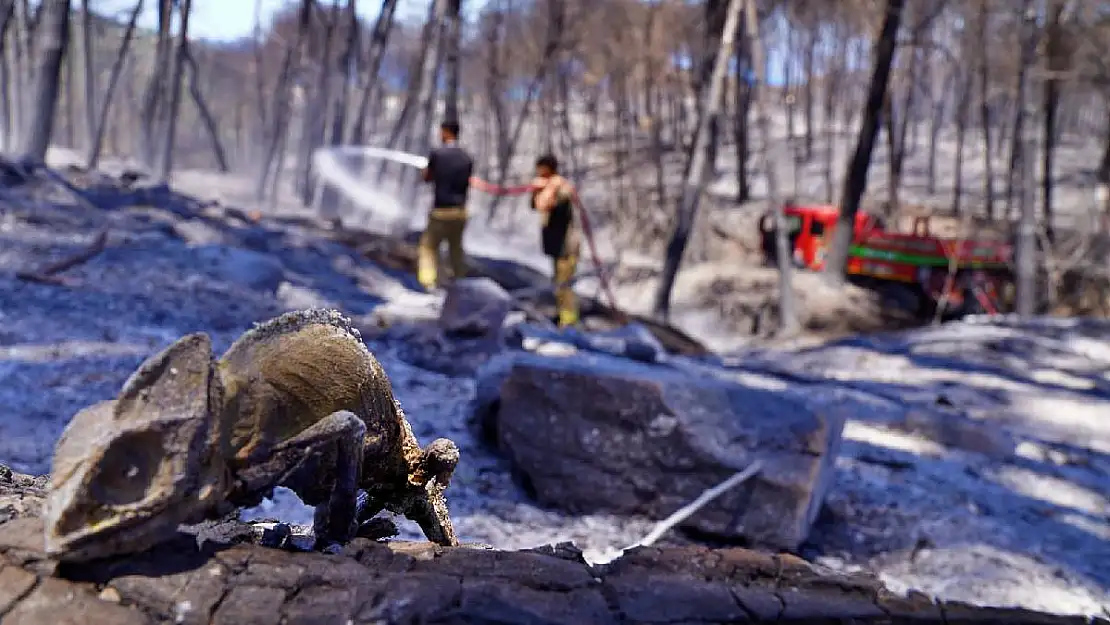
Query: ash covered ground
point(1009, 507)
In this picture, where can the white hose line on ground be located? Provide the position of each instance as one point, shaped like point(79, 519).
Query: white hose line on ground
point(689, 509)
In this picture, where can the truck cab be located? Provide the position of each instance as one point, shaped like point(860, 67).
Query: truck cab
point(807, 226)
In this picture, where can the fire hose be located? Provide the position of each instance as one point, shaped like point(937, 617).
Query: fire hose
point(327, 167)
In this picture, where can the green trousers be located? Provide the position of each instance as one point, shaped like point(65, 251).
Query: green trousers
point(444, 225)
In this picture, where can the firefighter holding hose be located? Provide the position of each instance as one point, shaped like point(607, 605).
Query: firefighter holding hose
point(553, 199)
point(449, 170)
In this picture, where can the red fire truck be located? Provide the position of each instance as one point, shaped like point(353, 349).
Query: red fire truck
point(966, 275)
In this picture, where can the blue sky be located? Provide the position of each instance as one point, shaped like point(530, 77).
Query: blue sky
point(231, 19)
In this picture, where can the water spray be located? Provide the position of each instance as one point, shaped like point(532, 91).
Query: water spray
point(328, 166)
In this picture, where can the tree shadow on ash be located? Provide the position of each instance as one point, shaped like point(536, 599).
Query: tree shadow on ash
point(918, 514)
point(1048, 504)
point(992, 380)
point(1015, 358)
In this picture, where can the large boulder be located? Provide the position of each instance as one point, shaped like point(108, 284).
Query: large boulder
point(467, 333)
point(594, 433)
point(428, 347)
point(474, 307)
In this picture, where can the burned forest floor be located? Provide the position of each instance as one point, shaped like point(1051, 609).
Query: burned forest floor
point(976, 457)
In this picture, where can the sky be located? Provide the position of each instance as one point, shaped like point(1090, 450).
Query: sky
point(231, 19)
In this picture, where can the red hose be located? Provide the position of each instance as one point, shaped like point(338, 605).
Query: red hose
point(494, 189)
point(602, 278)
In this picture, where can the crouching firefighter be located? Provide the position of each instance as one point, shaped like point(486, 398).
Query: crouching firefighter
point(449, 169)
point(553, 199)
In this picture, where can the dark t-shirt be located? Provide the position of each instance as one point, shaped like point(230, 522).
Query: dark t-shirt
point(556, 234)
point(451, 168)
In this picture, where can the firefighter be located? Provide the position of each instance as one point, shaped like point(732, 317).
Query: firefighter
point(553, 199)
point(449, 169)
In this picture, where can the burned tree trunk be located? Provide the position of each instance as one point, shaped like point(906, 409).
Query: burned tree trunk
point(7, 12)
point(21, 73)
point(315, 111)
point(745, 81)
point(938, 111)
point(328, 201)
point(834, 72)
point(1026, 248)
point(897, 125)
point(403, 125)
point(173, 108)
point(1028, 52)
point(855, 181)
point(1103, 173)
point(1056, 61)
point(985, 112)
point(379, 39)
point(101, 123)
point(272, 158)
point(808, 90)
point(788, 314)
point(419, 135)
point(211, 128)
point(53, 39)
point(451, 43)
point(154, 96)
point(698, 161)
point(715, 21)
point(7, 78)
point(89, 71)
point(507, 142)
point(963, 112)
